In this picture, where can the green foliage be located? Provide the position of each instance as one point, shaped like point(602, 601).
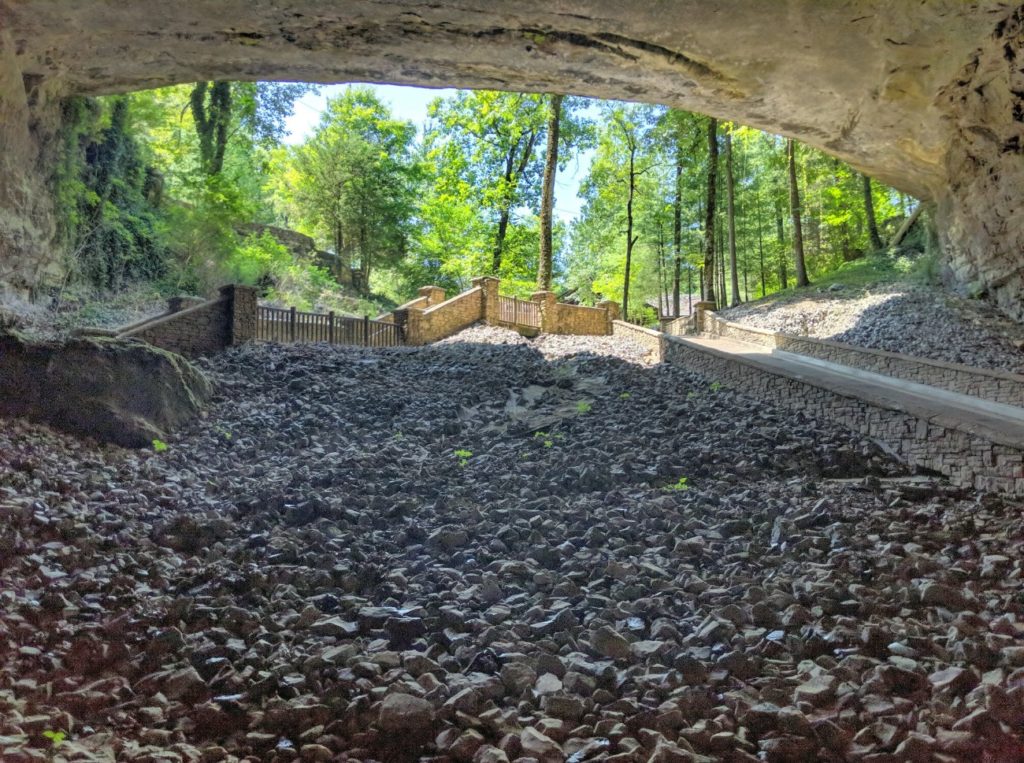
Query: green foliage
point(715, 386)
point(547, 439)
point(625, 395)
point(463, 455)
point(583, 406)
point(164, 185)
point(103, 191)
point(56, 738)
point(159, 446)
point(353, 183)
point(257, 260)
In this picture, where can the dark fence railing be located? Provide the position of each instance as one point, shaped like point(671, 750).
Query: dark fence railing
point(274, 324)
point(518, 312)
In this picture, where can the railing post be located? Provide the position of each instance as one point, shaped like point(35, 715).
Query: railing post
point(366, 331)
point(611, 309)
point(330, 327)
point(546, 306)
point(292, 321)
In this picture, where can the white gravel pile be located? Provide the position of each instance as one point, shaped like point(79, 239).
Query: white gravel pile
point(929, 323)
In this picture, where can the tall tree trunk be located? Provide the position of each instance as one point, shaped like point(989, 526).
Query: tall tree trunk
point(547, 196)
point(722, 293)
point(730, 188)
point(905, 228)
point(760, 241)
point(662, 283)
point(709, 212)
point(504, 211)
point(869, 212)
point(677, 227)
point(511, 177)
point(781, 235)
point(794, 206)
point(630, 241)
point(212, 122)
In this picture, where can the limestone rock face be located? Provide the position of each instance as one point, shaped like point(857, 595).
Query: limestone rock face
point(918, 95)
point(127, 393)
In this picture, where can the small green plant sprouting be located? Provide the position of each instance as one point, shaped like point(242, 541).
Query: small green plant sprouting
point(398, 436)
point(159, 446)
point(625, 395)
point(56, 737)
point(463, 455)
point(691, 395)
point(223, 433)
point(583, 407)
point(715, 386)
point(548, 439)
point(680, 485)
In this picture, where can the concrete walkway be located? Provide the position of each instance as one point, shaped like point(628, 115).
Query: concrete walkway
point(996, 422)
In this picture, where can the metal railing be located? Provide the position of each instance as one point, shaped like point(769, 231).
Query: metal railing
point(274, 324)
point(518, 312)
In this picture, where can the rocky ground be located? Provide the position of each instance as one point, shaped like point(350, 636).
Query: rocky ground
point(915, 320)
point(482, 552)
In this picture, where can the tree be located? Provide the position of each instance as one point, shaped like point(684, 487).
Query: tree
point(869, 211)
point(211, 111)
point(709, 211)
point(633, 126)
point(547, 203)
point(677, 226)
point(259, 109)
point(356, 183)
point(730, 187)
point(794, 206)
point(497, 133)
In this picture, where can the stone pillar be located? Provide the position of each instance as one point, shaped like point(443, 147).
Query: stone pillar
point(548, 311)
point(411, 320)
point(433, 294)
point(611, 307)
point(699, 309)
point(241, 310)
point(489, 308)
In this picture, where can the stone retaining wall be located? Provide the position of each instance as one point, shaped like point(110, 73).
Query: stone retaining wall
point(430, 317)
point(577, 319)
point(654, 341)
point(444, 319)
point(193, 326)
point(968, 459)
point(995, 386)
point(199, 330)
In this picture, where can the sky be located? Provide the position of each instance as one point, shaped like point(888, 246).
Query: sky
point(410, 103)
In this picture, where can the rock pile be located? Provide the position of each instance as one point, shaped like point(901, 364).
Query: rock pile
point(473, 552)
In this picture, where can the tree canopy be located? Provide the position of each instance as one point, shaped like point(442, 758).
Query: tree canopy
point(187, 185)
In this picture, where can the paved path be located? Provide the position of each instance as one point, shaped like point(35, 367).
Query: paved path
point(996, 422)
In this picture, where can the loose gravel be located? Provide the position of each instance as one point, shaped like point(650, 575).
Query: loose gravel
point(929, 323)
point(499, 549)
